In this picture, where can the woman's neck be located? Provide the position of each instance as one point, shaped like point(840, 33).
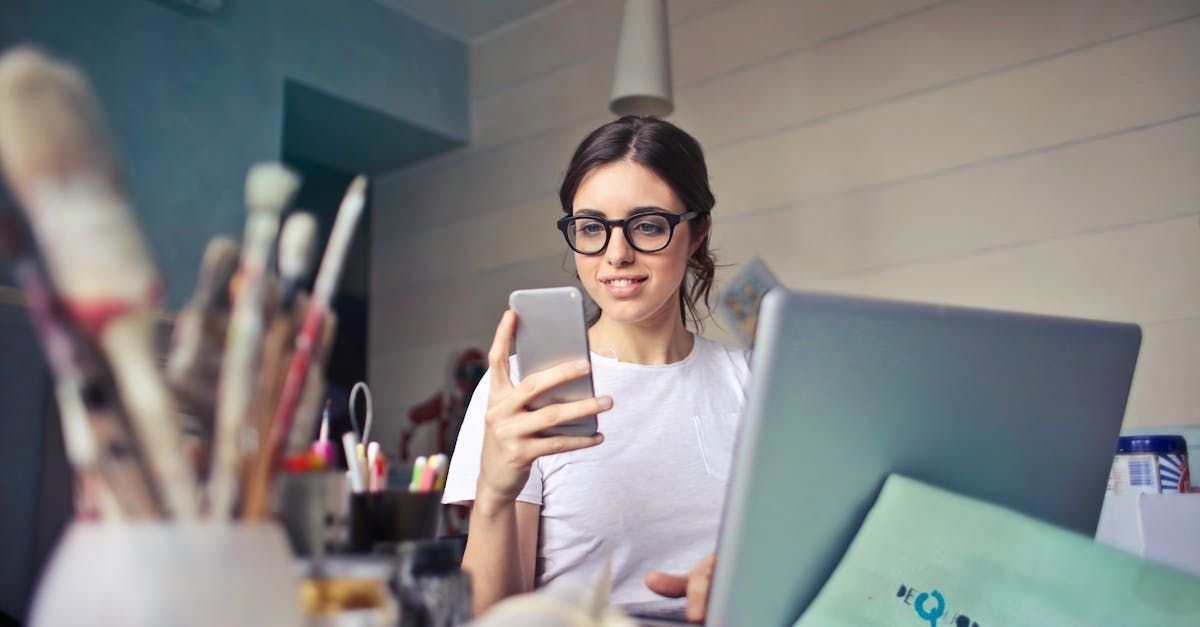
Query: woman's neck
point(651, 342)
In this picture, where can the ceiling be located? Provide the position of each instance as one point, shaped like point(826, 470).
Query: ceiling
point(468, 19)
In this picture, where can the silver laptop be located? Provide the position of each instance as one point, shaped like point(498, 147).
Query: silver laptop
point(1018, 410)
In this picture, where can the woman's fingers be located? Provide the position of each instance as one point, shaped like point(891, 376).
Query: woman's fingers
point(536, 384)
point(498, 356)
point(666, 584)
point(694, 585)
point(552, 445)
point(697, 594)
point(561, 413)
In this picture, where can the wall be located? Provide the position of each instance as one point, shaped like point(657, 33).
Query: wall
point(22, 424)
point(1037, 155)
point(194, 100)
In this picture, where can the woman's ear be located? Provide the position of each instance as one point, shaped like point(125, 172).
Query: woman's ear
point(700, 234)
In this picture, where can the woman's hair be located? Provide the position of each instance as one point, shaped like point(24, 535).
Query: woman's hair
point(677, 159)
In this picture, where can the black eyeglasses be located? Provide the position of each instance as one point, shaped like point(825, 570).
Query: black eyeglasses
point(647, 232)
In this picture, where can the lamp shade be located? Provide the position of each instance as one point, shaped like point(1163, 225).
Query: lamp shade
point(642, 79)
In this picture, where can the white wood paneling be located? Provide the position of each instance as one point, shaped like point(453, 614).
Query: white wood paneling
point(466, 307)
point(951, 42)
point(569, 33)
point(1064, 99)
point(1098, 275)
point(1010, 154)
point(1119, 180)
point(730, 38)
point(1164, 385)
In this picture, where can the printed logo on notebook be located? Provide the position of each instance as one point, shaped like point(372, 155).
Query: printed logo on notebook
point(931, 608)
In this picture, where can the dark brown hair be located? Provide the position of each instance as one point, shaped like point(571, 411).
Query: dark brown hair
point(677, 159)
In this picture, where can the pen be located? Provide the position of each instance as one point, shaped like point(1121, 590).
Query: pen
point(323, 448)
point(418, 468)
point(354, 470)
point(372, 457)
point(379, 473)
point(440, 483)
point(428, 475)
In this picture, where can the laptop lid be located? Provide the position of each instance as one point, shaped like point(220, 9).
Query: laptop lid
point(1019, 410)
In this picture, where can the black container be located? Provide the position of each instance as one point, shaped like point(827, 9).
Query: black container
point(381, 520)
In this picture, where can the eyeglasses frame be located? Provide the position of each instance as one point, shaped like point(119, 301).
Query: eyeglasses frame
point(673, 220)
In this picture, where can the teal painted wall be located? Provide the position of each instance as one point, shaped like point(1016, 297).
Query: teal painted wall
point(194, 99)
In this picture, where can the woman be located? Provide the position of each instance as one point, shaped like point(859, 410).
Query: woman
point(647, 494)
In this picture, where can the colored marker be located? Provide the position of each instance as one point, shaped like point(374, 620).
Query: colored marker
point(418, 468)
point(354, 470)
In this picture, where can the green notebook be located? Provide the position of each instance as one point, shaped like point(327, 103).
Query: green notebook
point(925, 556)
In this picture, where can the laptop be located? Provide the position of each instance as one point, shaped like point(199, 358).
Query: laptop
point(1019, 410)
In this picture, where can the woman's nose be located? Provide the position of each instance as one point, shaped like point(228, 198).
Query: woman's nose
point(619, 252)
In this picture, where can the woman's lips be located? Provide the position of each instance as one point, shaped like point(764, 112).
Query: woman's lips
point(624, 287)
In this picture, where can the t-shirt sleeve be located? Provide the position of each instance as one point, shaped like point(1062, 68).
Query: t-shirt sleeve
point(464, 465)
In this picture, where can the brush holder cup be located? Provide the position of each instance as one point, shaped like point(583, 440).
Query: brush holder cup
point(381, 520)
point(158, 573)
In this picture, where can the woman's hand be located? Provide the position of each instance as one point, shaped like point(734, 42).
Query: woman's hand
point(694, 585)
point(510, 440)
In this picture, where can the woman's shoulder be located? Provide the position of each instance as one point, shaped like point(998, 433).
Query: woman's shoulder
point(715, 351)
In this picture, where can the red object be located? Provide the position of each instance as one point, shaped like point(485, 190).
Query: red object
point(446, 408)
point(94, 315)
point(304, 462)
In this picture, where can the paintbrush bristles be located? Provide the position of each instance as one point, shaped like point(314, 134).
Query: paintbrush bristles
point(44, 106)
point(339, 241)
point(58, 160)
point(296, 245)
point(270, 186)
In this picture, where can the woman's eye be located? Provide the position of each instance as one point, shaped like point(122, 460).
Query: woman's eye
point(591, 228)
point(649, 228)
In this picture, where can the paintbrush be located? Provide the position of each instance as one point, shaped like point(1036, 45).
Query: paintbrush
point(269, 188)
point(296, 243)
point(58, 162)
point(194, 365)
point(96, 434)
point(307, 342)
point(297, 240)
point(304, 421)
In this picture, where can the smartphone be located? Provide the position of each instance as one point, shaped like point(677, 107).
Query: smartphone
point(551, 331)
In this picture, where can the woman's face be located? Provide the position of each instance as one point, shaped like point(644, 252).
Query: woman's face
point(632, 287)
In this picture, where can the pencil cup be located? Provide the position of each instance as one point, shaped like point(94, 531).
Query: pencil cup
point(314, 509)
point(380, 520)
point(169, 574)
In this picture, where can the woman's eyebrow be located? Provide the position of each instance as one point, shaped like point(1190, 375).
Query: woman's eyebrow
point(647, 209)
point(633, 212)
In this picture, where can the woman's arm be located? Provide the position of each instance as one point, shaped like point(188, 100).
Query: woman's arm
point(502, 541)
point(501, 550)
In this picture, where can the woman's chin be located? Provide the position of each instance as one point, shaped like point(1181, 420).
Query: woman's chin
point(628, 312)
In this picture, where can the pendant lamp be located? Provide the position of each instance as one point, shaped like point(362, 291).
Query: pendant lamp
point(642, 79)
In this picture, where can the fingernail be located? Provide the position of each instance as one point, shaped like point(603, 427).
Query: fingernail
point(605, 402)
point(582, 365)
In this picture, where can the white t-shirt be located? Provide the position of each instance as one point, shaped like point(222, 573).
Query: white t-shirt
point(651, 494)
